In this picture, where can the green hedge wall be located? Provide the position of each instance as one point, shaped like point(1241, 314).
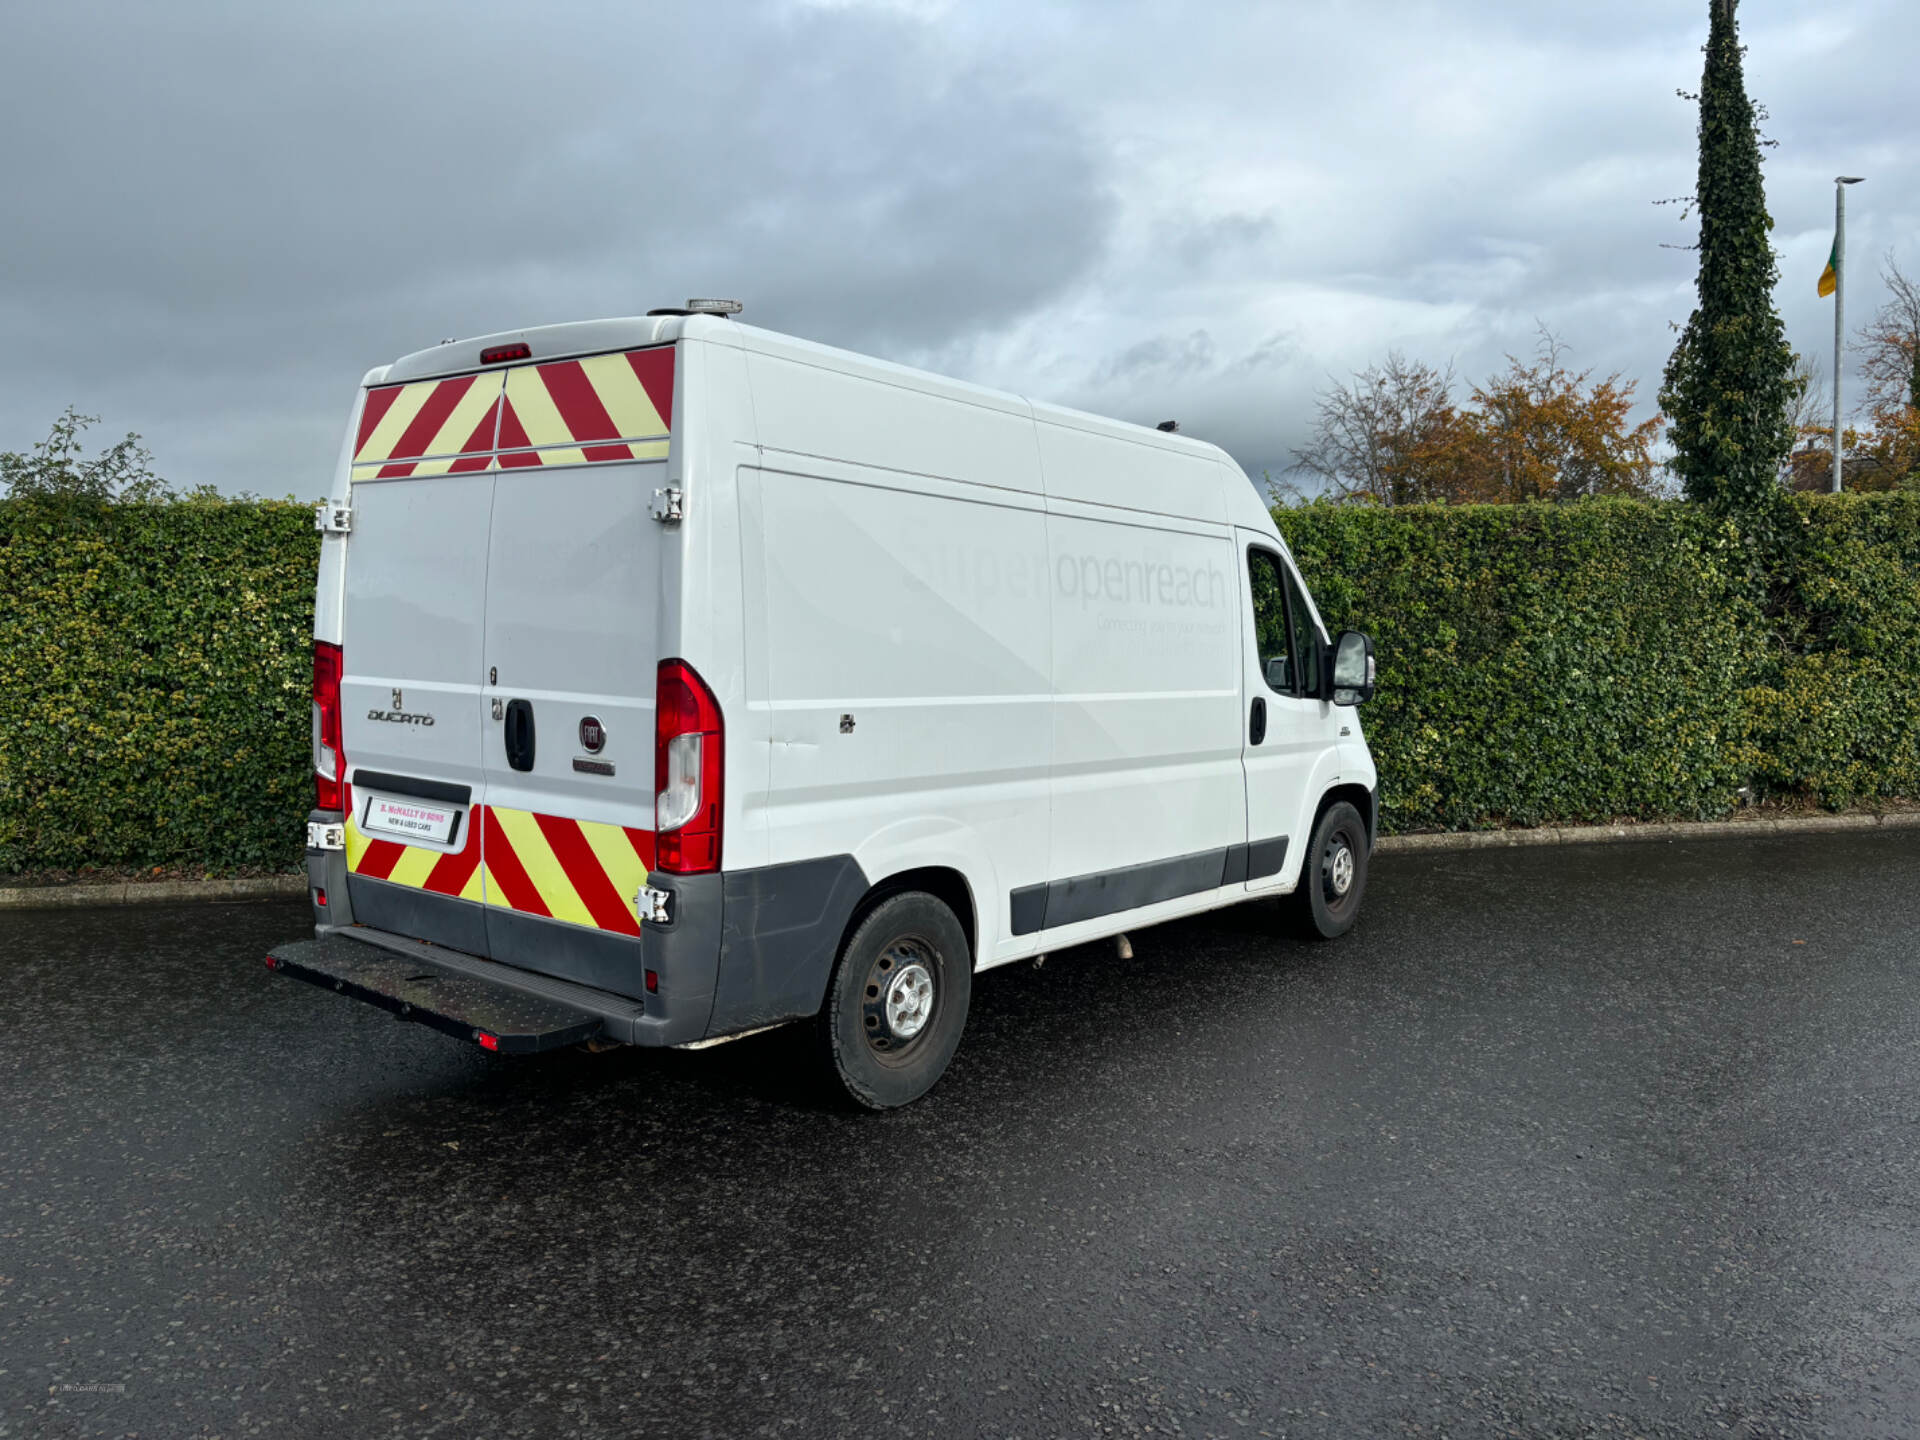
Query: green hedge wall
point(1621, 659)
point(1538, 663)
point(155, 677)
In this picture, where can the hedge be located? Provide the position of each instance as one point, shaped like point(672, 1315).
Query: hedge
point(155, 677)
point(1620, 659)
point(1538, 663)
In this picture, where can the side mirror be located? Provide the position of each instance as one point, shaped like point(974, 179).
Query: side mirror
point(1352, 668)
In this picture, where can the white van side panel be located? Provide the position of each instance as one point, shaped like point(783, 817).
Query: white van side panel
point(1146, 730)
point(711, 574)
point(1108, 464)
point(811, 402)
point(907, 636)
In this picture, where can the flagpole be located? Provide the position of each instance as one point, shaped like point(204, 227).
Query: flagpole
point(1840, 183)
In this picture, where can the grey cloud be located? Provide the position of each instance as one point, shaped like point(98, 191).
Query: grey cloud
point(221, 215)
point(249, 208)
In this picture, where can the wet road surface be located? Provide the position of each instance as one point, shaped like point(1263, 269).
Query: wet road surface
point(1622, 1140)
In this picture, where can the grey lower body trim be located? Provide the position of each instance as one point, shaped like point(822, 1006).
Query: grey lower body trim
point(744, 949)
point(780, 934)
point(624, 1017)
point(1027, 909)
point(1266, 857)
point(1108, 892)
point(600, 958)
point(327, 875)
point(682, 955)
point(442, 919)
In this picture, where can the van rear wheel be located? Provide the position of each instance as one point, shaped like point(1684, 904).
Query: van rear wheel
point(1333, 877)
point(897, 1001)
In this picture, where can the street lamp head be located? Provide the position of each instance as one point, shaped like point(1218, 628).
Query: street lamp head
point(1848, 179)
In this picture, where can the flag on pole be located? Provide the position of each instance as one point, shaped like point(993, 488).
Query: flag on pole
point(1830, 277)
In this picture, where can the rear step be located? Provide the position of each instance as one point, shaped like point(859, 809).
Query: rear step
point(497, 1017)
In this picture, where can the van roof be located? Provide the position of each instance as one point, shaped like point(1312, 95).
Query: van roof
point(587, 337)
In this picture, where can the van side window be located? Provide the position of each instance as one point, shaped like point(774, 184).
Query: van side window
point(1270, 619)
point(1306, 638)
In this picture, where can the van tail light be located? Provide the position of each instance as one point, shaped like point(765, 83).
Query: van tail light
point(329, 764)
point(689, 757)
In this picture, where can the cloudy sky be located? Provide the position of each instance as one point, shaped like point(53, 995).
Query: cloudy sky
point(219, 215)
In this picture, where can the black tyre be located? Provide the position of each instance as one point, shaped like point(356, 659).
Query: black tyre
point(1333, 877)
point(897, 1001)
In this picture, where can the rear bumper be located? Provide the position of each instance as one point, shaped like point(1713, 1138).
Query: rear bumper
point(374, 966)
point(739, 950)
point(414, 986)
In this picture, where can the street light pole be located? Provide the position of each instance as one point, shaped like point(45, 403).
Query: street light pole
point(1840, 183)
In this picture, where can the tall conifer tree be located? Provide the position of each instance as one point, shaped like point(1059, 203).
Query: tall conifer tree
point(1728, 389)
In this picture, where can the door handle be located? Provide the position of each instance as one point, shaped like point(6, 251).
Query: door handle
point(518, 734)
point(1257, 725)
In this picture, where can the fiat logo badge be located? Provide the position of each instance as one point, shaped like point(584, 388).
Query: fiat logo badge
point(593, 735)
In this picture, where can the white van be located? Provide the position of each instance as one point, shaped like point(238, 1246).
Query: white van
point(675, 679)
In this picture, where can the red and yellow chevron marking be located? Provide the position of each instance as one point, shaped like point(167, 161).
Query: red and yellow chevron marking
point(578, 871)
point(432, 427)
point(573, 412)
point(567, 412)
point(415, 866)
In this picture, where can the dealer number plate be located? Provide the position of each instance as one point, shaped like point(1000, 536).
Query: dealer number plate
point(410, 819)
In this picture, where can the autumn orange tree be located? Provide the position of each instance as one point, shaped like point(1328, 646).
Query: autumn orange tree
point(1545, 433)
point(1886, 455)
point(1394, 435)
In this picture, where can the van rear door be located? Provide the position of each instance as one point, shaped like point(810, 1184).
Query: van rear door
point(411, 695)
point(575, 588)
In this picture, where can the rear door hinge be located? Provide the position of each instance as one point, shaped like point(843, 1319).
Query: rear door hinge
point(668, 506)
point(332, 519)
point(653, 907)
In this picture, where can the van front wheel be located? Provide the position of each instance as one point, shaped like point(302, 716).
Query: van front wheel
point(1333, 876)
point(897, 1001)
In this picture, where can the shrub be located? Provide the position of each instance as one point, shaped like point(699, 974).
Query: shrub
point(1538, 663)
point(154, 683)
point(1544, 662)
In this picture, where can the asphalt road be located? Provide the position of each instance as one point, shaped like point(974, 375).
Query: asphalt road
point(1616, 1140)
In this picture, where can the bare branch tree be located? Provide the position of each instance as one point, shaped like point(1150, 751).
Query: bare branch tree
point(1378, 437)
point(1889, 344)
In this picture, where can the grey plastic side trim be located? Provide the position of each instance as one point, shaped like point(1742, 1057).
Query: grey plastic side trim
point(1028, 909)
point(1265, 857)
point(1235, 870)
point(1107, 892)
point(780, 934)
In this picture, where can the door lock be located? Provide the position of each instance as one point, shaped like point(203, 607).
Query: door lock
point(499, 707)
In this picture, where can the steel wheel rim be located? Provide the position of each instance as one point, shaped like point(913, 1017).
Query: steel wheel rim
point(900, 999)
point(1339, 868)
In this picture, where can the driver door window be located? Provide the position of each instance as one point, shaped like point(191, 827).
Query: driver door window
point(1268, 584)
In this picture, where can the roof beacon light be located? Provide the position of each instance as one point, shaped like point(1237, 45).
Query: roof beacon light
point(715, 307)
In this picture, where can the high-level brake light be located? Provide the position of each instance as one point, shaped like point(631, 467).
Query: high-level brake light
point(689, 758)
point(498, 354)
